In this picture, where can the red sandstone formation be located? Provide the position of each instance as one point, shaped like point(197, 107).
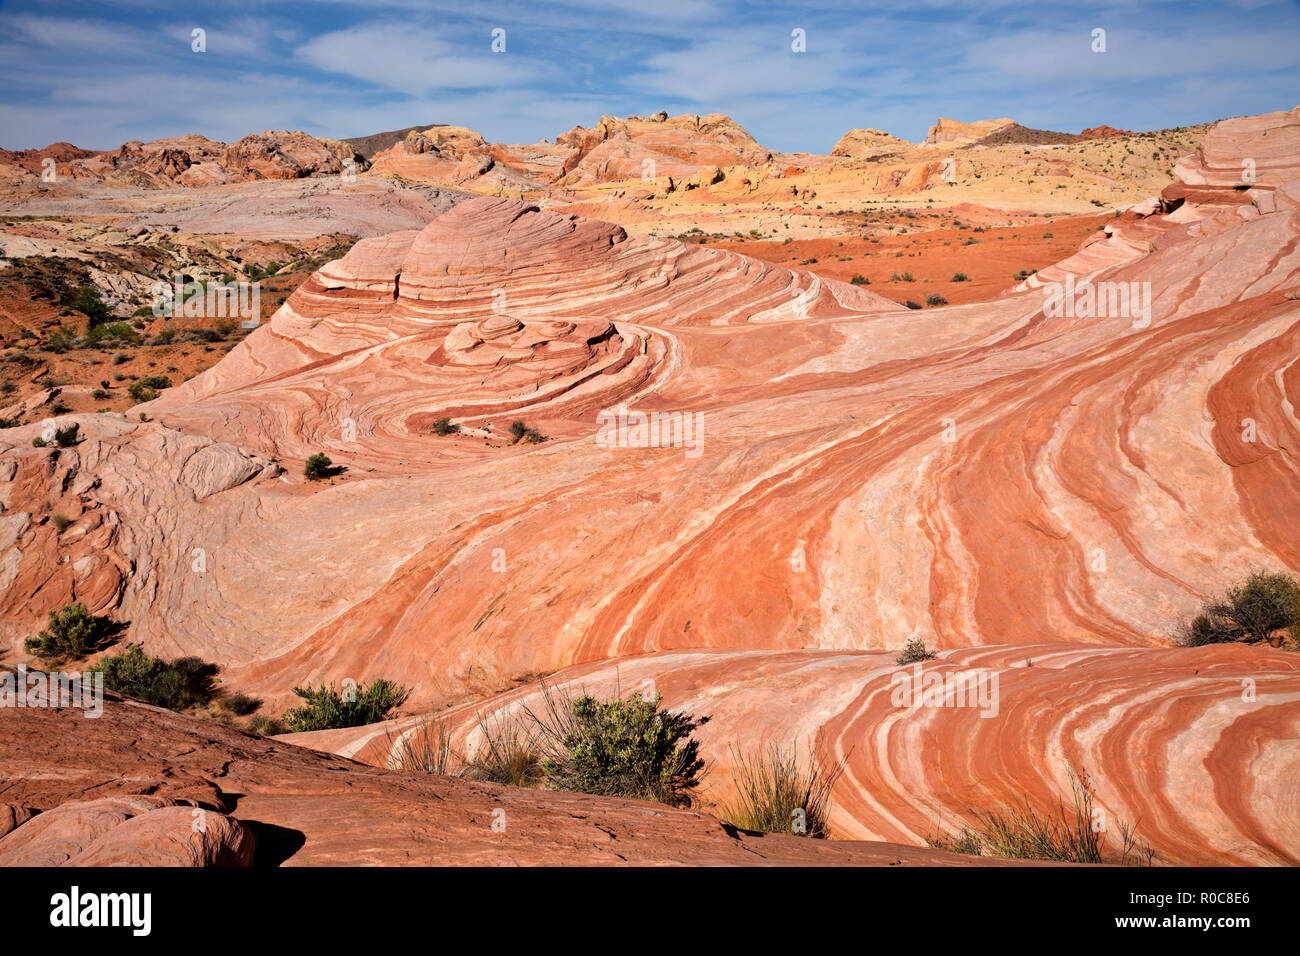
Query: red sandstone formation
point(1104, 132)
point(1195, 747)
point(990, 474)
point(614, 150)
point(195, 160)
point(142, 786)
point(955, 132)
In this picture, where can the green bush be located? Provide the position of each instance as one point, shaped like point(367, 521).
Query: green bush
point(89, 304)
point(914, 651)
point(327, 709)
point(935, 299)
point(960, 277)
point(776, 796)
point(626, 748)
point(146, 389)
point(66, 437)
point(860, 279)
point(183, 683)
point(444, 426)
point(317, 466)
point(71, 633)
point(1252, 611)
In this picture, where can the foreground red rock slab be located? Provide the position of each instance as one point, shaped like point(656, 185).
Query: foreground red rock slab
point(1194, 748)
point(129, 786)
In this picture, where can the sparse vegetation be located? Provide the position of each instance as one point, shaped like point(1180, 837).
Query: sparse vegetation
point(935, 299)
point(520, 432)
point(240, 704)
point(444, 426)
point(860, 279)
point(1062, 834)
point(914, 651)
point(326, 708)
point(72, 633)
point(1263, 607)
point(776, 795)
point(960, 277)
point(66, 437)
point(177, 685)
point(626, 747)
point(317, 466)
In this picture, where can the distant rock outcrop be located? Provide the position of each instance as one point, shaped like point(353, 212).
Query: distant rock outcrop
point(955, 132)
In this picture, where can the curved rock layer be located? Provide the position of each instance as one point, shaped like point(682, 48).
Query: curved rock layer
point(1193, 748)
point(838, 473)
point(141, 786)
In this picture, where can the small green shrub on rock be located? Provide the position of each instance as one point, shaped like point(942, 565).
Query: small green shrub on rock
point(326, 708)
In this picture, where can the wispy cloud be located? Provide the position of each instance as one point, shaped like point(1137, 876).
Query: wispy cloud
point(98, 74)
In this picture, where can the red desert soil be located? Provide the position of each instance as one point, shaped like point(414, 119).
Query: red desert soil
point(934, 256)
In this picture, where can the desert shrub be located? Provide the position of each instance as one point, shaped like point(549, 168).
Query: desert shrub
point(521, 432)
point(177, 685)
point(510, 752)
point(860, 279)
point(912, 305)
point(914, 651)
point(60, 408)
point(39, 442)
point(624, 748)
point(66, 437)
point(317, 466)
point(425, 748)
point(444, 426)
point(960, 277)
point(326, 708)
point(146, 388)
point(101, 394)
point(88, 303)
point(10, 422)
point(72, 633)
point(775, 795)
point(240, 704)
point(1063, 833)
point(935, 299)
point(265, 726)
point(1251, 611)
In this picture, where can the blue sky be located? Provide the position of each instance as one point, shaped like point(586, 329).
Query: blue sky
point(98, 74)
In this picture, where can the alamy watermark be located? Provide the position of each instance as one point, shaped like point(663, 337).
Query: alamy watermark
point(209, 300)
point(976, 688)
point(1098, 300)
point(84, 690)
point(622, 428)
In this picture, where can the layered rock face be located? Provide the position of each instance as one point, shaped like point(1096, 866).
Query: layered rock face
point(1192, 748)
point(140, 786)
point(827, 475)
point(867, 143)
point(955, 132)
point(198, 161)
point(614, 150)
